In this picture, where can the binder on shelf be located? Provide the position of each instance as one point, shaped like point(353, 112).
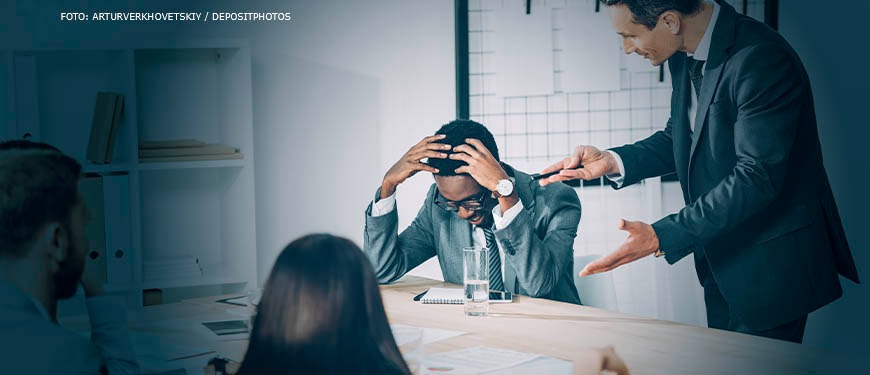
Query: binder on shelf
point(115, 128)
point(105, 124)
point(96, 259)
point(116, 206)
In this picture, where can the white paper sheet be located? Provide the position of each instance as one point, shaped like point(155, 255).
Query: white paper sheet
point(430, 335)
point(544, 365)
point(154, 353)
point(590, 51)
point(477, 360)
point(523, 46)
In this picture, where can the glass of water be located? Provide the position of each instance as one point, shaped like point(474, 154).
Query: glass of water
point(476, 265)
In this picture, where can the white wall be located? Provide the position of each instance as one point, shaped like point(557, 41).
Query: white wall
point(339, 93)
point(338, 97)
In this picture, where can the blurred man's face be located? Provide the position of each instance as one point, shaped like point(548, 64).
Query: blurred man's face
point(462, 192)
point(656, 45)
point(69, 272)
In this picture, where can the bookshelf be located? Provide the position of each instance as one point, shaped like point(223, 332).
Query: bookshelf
point(170, 224)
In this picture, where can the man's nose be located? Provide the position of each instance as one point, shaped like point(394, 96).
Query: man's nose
point(464, 214)
point(627, 46)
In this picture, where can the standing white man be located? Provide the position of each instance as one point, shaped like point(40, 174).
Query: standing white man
point(760, 217)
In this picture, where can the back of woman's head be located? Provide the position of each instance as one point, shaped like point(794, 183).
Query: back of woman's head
point(321, 312)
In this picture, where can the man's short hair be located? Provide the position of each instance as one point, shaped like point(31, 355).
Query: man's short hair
point(457, 132)
point(23, 144)
point(647, 12)
point(38, 185)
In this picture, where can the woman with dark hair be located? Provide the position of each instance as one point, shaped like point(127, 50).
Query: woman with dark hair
point(321, 313)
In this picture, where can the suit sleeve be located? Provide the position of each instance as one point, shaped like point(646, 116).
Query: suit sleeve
point(392, 254)
point(767, 95)
point(650, 157)
point(539, 262)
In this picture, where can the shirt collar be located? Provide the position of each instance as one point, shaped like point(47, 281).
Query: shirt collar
point(17, 299)
point(703, 50)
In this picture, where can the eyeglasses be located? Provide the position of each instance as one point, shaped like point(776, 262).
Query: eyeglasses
point(475, 203)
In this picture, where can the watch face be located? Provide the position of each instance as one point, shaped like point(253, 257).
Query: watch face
point(505, 187)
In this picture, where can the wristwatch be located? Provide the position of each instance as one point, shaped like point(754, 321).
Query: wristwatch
point(504, 188)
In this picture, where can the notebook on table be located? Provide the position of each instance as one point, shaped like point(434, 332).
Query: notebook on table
point(451, 296)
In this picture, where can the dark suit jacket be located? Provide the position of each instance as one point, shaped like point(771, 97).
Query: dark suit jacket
point(759, 209)
point(538, 243)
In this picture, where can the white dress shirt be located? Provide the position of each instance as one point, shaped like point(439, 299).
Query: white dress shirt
point(702, 52)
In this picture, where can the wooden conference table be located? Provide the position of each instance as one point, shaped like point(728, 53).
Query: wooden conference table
point(555, 329)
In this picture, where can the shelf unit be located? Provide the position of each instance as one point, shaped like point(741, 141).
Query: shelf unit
point(156, 212)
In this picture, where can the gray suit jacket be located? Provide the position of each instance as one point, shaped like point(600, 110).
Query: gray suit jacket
point(759, 209)
point(538, 244)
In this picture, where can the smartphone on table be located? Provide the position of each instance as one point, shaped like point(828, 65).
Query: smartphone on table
point(496, 296)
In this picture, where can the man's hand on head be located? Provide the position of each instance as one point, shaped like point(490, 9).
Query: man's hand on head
point(482, 166)
point(411, 162)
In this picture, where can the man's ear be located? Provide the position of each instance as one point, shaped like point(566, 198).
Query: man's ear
point(55, 241)
point(671, 21)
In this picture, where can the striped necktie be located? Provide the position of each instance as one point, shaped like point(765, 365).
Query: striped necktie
point(495, 280)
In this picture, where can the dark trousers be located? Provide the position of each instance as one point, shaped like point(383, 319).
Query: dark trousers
point(719, 316)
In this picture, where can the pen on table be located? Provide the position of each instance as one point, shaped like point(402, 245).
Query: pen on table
point(419, 296)
point(538, 176)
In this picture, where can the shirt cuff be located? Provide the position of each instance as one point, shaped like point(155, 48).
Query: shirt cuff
point(384, 206)
point(503, 220)
point(106, 310)
point(617, 179)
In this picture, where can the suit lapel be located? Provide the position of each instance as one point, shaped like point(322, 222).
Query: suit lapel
point(723, 37)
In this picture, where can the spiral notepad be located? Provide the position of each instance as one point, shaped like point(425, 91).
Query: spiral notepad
point(451, 296)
